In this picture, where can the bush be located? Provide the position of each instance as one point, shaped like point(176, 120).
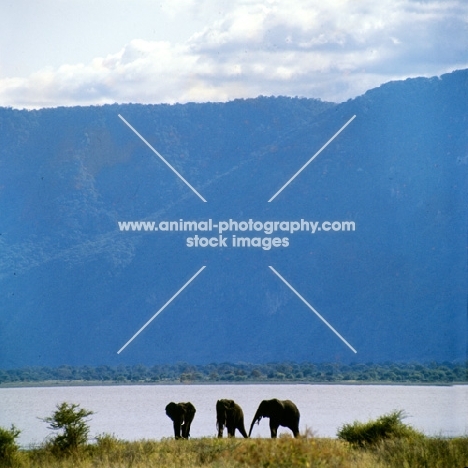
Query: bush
point(385, 427)
point(8, 446)
point(71, 420)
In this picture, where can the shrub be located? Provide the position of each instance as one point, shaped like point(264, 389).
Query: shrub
point(71, 420)
point(107, 441)
point(8, 446)
point(370, 433)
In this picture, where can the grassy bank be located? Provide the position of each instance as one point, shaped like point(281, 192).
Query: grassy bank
point(383, 442)
point(109, 452)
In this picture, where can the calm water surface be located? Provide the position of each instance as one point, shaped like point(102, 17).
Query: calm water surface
point(137, 412)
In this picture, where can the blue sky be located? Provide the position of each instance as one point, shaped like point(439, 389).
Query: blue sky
point(88, 52)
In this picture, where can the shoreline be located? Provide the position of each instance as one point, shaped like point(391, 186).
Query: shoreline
point(103, 383)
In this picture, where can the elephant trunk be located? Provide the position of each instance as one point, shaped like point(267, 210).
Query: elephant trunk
point(255, 419)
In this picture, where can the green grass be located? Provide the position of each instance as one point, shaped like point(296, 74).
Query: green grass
point(383, 443)
point(423, 453)
point(108, 452)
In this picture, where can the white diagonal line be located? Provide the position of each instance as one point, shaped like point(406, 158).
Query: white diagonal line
point(312, 309)
point(157, 154)
point(312, 158)
point(161, 309)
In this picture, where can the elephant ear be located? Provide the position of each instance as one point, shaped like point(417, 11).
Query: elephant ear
point(189, 408)
point(230, 404)
point(171, 408)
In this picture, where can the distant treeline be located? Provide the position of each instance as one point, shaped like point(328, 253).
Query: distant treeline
point(243, 372)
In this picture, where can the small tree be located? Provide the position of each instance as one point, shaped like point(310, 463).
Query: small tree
point(71, 420)
point(388, 426)
point(8, 445)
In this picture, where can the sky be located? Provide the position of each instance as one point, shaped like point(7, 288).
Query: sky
point(92, 52)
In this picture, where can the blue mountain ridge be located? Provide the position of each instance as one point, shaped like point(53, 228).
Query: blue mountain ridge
point(74, 288)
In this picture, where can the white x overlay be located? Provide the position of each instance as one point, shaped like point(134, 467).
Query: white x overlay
point(312, 309)
point(312, 158)
point(271, 268)
point(162, 159)
point(161, 309)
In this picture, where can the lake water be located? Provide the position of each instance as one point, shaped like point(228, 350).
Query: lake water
point(137, 411)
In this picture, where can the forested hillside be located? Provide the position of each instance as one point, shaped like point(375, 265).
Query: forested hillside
point(390, 286)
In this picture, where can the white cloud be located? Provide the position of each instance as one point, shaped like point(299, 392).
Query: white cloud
point(332, 50)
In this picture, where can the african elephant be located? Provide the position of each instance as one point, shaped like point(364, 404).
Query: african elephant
point(281, 413)
point(229, 414)
point(182, 415)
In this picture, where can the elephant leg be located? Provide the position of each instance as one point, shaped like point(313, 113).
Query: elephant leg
point(177, 429)
point(230, 425)
point(295, 431)
point(240, 426)
point(220, 431)
point(186, 430)
point(241, 429)
point(294, 426)
point(273, 428)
